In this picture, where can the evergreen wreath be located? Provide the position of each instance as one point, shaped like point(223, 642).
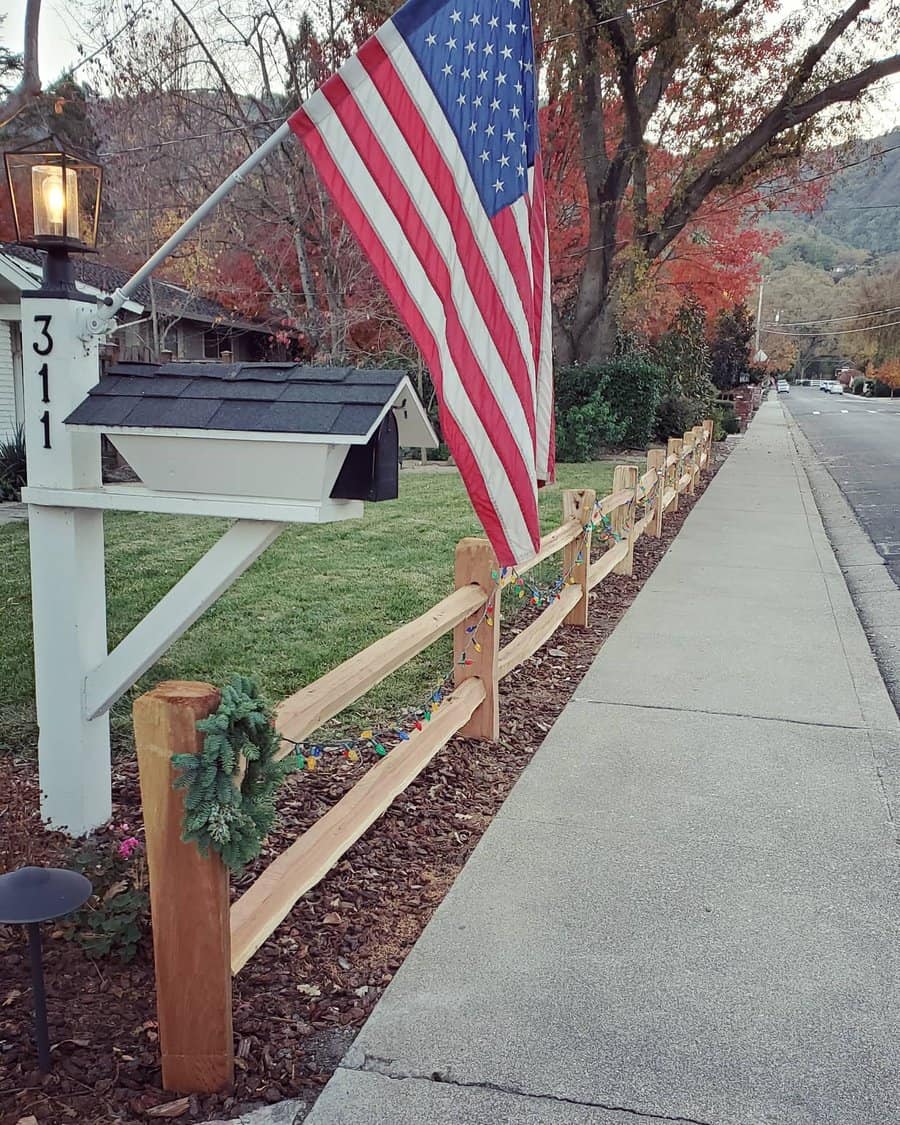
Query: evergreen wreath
point(232, 819)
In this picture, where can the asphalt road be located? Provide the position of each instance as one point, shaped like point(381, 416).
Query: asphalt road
point(858, 442)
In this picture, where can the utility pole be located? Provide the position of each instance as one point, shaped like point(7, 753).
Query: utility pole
point(759, 356)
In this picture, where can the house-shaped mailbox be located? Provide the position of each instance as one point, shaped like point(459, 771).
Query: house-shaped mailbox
point(316, 439)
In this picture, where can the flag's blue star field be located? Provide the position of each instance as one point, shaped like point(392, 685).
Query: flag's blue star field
point(478, 57)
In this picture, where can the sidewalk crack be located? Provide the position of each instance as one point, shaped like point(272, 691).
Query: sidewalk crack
point(576, 698)
point(388, 1068)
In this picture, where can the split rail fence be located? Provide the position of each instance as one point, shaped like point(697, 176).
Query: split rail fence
point(200, 939)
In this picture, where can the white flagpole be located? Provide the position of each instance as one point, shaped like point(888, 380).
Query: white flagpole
point(107, 310)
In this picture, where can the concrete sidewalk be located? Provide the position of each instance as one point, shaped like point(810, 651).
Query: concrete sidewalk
point(688, 907)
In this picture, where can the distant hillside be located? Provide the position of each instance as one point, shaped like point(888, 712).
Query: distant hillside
point(863, 203)
point(860, 216)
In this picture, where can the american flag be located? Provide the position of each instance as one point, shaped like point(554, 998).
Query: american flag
point(427, 140)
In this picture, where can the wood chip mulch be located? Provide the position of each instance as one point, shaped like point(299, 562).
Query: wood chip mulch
point(301, 999)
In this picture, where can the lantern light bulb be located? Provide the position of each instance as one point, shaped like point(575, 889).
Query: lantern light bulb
point(54, 200)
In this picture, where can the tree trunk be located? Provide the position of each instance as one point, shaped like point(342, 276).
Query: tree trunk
point(598, 340)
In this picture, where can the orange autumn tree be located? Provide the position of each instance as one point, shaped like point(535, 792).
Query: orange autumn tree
point(889, 374)
point(673, 113)
point(714, 261)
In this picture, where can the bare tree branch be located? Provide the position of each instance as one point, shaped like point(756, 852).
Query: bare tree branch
point(781, 119)
point(30, 85)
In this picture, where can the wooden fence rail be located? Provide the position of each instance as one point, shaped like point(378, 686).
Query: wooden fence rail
point(195, 1020)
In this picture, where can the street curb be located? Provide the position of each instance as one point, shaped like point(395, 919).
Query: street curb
point(872, 591)
point(866, 601)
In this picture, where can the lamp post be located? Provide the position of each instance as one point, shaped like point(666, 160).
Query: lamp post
point(56, 204)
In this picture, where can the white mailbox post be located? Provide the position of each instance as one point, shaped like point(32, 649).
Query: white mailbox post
point(68, 592)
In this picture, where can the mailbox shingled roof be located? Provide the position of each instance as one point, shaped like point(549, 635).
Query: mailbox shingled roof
point(253, 397)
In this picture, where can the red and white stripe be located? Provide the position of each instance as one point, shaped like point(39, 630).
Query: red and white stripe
point(473, 291)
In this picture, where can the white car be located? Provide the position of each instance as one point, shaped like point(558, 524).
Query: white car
point(783, 386)
point(836, 388)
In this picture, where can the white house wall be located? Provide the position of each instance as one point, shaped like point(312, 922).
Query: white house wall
point(8, 413)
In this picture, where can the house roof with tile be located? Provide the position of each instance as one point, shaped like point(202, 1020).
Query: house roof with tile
point(252, 397)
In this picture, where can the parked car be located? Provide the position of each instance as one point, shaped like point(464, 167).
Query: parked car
point(836, 389)
point(783, 386)
point(826, 385)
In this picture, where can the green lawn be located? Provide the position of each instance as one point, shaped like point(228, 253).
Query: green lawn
point(318, 595)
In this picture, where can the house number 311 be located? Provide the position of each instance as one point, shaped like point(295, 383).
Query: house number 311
point(43, 346)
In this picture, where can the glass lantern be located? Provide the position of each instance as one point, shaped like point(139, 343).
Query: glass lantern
point(55, 196)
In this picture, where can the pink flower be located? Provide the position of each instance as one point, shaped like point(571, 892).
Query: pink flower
point(128, 847)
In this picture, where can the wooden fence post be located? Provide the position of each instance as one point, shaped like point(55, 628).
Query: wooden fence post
point(188, 900)
point(699, 446)
point(709, 429)
point(476, 564)
point(656, 460)
point(674, 446)
point(690, 460)
point(579, 504)
point(623, 519)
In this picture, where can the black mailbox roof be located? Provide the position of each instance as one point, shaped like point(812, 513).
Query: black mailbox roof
point(255, 397)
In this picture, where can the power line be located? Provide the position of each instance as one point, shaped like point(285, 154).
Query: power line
point(600, 23)
point(849, 207)
point(195, 137)
point(837, 332)
point(833, 319)
point(746, 206)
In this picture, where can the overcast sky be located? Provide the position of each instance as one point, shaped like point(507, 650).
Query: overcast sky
point(58, 50)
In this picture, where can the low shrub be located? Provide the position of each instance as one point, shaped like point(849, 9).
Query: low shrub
point(675, 415)
point(731, 424)
point(12, 466)
point(633, 392)
point(725, 421)
point(612, 403)
point(582, 430)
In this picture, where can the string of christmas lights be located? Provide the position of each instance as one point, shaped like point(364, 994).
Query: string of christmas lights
point(373, 740)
